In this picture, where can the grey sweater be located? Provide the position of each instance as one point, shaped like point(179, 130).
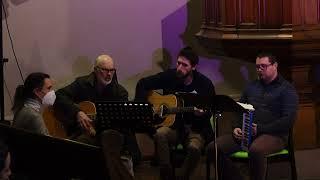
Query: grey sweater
point(29, 118)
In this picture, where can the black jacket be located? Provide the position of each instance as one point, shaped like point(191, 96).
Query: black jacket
point(84, 89)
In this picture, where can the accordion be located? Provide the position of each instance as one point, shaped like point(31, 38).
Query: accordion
point(247, 120)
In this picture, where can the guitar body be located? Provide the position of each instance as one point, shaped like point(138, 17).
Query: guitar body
point(158, 100)
point(53, 125)
point(54, 120)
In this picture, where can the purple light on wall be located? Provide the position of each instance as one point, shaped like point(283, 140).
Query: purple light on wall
point(173, 26)
point(244, 72)
point(211, 68)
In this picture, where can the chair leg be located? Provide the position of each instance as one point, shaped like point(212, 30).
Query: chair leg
point(293, 164)
point(173, 161)
point(208, 165)
point(293, 168)
point(267, 168)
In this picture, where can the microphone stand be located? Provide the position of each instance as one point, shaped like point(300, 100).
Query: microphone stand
point(1, 69)
point(4, 60)
point(220, 103)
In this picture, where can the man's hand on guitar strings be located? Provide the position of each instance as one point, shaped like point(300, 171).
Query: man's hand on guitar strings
point(85, 123)
point(199, 112)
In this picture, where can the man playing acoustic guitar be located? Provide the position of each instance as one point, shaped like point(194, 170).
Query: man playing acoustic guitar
point(100, 85)
point(193, 130)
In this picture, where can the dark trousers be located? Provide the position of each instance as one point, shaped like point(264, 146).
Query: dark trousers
point(165, 138)
point(112, 143)
point(261, 146)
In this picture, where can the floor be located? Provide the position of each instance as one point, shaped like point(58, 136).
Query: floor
point(307, 162)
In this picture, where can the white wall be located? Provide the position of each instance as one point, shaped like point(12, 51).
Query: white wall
point(63, 37)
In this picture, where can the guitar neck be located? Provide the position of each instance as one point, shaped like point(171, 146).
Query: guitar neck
point(180, 110)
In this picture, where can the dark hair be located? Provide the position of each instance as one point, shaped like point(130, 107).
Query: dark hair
point(33, 81)
point(4, 150)
point(272, 58)
point(189, 54)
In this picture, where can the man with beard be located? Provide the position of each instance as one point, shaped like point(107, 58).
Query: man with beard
point(275, 102)
point(193, 129)
point(100, 85)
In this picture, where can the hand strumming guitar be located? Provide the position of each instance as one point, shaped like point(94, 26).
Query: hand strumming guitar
point(199, 112)
point(86, 123)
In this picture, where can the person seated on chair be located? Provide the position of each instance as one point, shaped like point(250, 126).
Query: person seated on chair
point(275, 102)
point(5, 161)
point(35, 93)
point(194, 129)
point(100, 85)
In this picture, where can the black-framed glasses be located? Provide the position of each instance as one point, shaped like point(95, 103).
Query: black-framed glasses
point(106, 70)
point(263, 66)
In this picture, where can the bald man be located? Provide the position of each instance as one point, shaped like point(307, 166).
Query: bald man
point(100, 85)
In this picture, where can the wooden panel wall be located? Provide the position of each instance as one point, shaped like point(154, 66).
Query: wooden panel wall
point(248, 14)
point(207, 12)
point(287, 13)
point(229, 13)
point(271, 13)
point(297, 18)
point(305, 131)
point(311, 15)
point(305, 13)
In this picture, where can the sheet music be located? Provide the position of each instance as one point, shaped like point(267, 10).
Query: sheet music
point(246, 106)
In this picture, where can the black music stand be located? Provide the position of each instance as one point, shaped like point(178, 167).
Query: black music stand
point(123, 116)
point(195, 99)
point(220, 104)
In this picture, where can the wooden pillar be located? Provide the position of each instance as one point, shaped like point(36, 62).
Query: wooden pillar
point(306, 125)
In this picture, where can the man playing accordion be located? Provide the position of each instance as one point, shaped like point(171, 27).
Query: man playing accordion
point(275, 102)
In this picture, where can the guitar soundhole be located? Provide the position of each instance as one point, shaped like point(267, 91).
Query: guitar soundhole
point(158, 119)
point(164, 110)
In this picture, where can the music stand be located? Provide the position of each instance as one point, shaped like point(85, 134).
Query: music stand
point(220, 104)
point(123, 115)
point(200, 101)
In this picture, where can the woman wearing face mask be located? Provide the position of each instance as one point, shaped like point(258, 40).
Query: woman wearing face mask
point(29, 100)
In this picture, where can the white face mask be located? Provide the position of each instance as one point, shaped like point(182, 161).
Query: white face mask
point(49, 98)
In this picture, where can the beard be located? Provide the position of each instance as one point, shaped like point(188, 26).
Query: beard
point(105, 82)
point(182, 76)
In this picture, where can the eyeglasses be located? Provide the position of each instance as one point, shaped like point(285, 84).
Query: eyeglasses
point(106, 70)
point(263, 66)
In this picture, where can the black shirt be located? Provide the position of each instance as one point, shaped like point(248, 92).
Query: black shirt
point(275, 105)
point(201, 86)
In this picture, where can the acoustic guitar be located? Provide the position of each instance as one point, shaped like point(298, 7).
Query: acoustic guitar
point(166, 107)
point(53, 120)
